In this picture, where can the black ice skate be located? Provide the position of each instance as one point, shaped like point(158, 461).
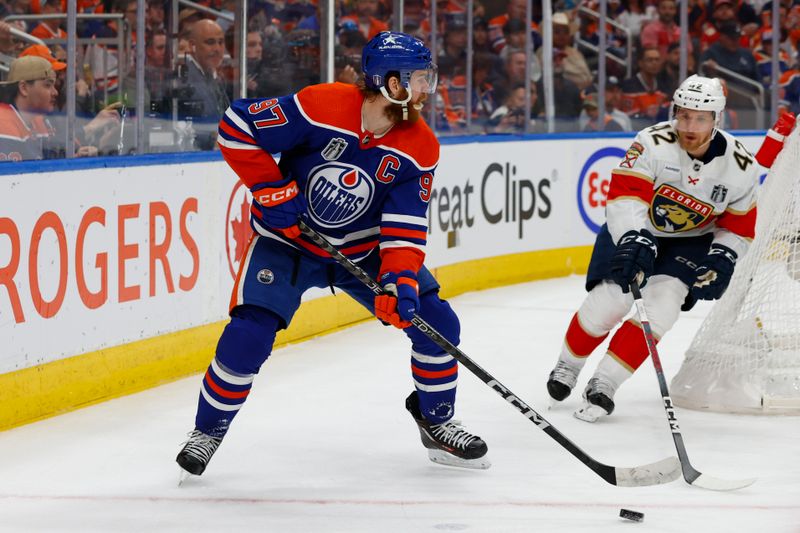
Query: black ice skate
point(599, 400)
point(449, 443)
point(562, 380)
point(196, 453)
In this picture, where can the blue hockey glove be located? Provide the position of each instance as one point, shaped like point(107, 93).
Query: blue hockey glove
point(714, 273)
point(280, 203)
point(398, 306)
point(636, 252)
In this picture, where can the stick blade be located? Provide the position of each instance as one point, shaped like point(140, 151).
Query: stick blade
point(712, 483)
point(663, 471)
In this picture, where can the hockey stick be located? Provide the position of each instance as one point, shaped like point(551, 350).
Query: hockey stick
point(692, 476)
point(656, 473)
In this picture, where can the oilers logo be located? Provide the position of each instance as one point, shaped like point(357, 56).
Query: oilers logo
point(338, 194)
point(674, 211)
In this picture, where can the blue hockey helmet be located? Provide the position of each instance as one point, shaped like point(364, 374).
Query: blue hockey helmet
point(398, 52)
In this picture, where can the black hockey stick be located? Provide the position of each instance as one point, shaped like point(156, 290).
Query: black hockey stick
point(692, 476)
point(662, 471)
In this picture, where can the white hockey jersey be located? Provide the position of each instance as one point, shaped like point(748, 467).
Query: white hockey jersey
point(658, 186)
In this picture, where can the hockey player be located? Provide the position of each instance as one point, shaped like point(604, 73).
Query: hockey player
point(357, 164)
point(681, 211)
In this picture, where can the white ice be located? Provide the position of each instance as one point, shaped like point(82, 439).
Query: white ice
point(325, 444)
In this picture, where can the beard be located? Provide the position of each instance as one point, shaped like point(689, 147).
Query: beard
point(394, 112)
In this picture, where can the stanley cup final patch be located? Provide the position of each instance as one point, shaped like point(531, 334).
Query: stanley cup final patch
point(334, 149)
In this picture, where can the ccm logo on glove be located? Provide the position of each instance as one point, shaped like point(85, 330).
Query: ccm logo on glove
point(278, 195)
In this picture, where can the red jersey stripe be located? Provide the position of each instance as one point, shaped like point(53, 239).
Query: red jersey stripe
point(401, 232)
point(224, 126)
point(742, 224)
point(625, 185)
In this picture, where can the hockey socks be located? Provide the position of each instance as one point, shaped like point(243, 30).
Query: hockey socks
point(578, 345)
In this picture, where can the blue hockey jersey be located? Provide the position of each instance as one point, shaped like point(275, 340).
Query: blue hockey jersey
point(362, 191)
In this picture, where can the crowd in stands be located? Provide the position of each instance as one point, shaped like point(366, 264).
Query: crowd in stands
point(190, 75)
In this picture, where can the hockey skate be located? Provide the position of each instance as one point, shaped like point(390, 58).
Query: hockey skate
point(562, 380)
point(598, 400)
point(196, 453)
point(449, 443)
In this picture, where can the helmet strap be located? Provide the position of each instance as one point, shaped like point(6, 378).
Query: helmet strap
point(403, 103)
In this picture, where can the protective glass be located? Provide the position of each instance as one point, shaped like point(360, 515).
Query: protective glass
point(424, 81)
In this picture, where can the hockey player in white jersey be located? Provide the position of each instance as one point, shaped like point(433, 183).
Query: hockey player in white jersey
point(681, 210)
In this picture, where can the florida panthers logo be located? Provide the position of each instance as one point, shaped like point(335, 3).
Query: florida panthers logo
point(338, 194)
point(674, 211)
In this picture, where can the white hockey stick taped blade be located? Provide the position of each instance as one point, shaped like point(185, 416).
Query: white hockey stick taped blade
point(664, 471)
point(713, 483)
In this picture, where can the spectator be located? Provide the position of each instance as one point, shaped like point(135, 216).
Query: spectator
point(202, 93)
point(567, 97)
point(572, 62)
point(49, 28)
point(27, 96)
point(614, 118)
point(633, 16)
point(763, 57)
point(154, 16)
point(483, 93)
point(453, 55)
point(254, 51)
point(347, 61)
point(515, 9)
point(642, 93)
point(480, 35)
point(728, 54)
point(663, 32)
point(723, 12)
point(366, 17)
point(510, 117)
point(158, 76)
point(669, 77)
point(8, 44)
point(790, 89)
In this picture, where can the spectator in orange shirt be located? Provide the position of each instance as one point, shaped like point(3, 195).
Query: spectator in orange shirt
point(366, 18)
point(49, 28)
point(643, 94)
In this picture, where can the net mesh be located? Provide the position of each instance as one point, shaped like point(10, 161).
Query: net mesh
point(746, 355)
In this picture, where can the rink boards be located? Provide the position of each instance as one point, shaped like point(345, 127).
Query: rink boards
point(114, 279)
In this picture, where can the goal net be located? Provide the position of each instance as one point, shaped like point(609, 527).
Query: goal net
point(745, 358)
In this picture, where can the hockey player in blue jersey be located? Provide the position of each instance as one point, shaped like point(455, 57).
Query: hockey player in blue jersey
point(357, 164)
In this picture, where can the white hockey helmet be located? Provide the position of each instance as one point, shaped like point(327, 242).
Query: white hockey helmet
point(702, 94)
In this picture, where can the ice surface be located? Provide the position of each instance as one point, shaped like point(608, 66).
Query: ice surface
point(324, 444)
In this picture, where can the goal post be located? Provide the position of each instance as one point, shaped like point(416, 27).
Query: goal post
point(745, 358)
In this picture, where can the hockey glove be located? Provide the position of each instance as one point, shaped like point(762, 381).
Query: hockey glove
point(714, 273)
point(401, 301)
point(773, 142)
point(636, 252)
point(280, 203)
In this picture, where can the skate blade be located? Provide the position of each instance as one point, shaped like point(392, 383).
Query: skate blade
point(183, 476)
point(443, 458)
point(589, 413)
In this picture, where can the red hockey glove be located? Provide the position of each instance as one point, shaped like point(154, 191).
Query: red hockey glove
point(398, 306)
point(280, 203)
point(773, 142)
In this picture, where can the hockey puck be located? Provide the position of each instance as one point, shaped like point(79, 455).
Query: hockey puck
point(634, 516)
